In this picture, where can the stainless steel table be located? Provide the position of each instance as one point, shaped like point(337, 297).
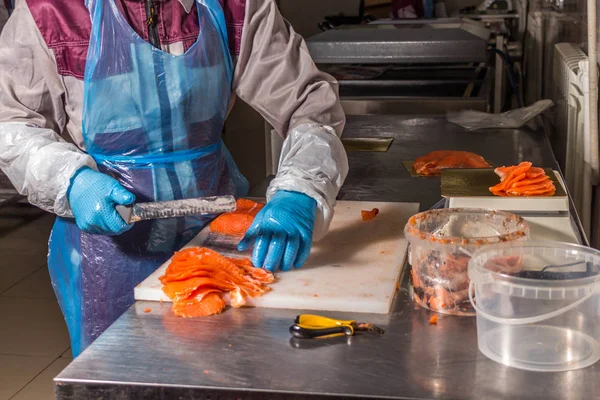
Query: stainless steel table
point(248, 354)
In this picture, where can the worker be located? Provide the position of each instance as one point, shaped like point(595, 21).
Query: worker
point(111, 102)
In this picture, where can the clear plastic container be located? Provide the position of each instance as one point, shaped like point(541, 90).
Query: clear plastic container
point(538, 304)
point(441, 244)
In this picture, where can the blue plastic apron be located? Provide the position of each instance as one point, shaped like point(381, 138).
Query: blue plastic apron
point(153, 121)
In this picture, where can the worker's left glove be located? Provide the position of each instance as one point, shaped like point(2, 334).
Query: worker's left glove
point(282, 232)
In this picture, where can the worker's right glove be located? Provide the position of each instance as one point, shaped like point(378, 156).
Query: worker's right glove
point(282, 232)
point(93, 197)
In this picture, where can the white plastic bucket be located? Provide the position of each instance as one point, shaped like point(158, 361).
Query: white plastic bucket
point(537, 304)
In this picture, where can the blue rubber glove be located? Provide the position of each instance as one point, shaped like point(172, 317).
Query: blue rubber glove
point(282, 232)
point(93, 196)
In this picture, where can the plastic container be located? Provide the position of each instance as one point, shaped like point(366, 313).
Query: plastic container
point(538, 304)
point(441, 244)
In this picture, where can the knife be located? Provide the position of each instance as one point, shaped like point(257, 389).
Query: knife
point(176, 208)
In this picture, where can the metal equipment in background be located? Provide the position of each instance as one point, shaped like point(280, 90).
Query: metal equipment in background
point(416, 66)
point(332, 21)
point(403, 67)
point(503, 17)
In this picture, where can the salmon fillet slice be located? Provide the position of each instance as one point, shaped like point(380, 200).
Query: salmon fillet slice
point(237, 222)
point(531, 181)
point(521, 169)
point(210, 304)
point(432, 164)
point(199, 279)
point(541, 192)
point(503, 172)
point(530, 188)
point(535, 172)
point(251, 286)
point(211, 264)
point(523, 180)
point(182, 290)
point(261, 275)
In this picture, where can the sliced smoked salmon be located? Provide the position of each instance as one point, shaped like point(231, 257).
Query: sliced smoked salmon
point(198, 280)
point(433, 163)
point(210, 304)
point(237, 222)
point(523, 180)
point(260, 274)
point(369, 215)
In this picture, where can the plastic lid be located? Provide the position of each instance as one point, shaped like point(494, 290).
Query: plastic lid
point(538, 270)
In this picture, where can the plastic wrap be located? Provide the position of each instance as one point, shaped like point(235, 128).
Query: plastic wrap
point(512, 119)
point(153, 122)
point(313, 161)
point(40, 164)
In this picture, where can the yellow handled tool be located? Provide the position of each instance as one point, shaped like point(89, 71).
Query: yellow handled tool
point(308, 326)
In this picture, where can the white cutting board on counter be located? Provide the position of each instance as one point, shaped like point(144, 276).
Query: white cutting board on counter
point(355, 268)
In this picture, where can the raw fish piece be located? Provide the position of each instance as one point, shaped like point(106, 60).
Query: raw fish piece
point(523, 180)
point(433, 163)
point(531, 181)
point(197, 280)
point(210, 304)
point(182, 290)
point(237, 222)
point(369, 215)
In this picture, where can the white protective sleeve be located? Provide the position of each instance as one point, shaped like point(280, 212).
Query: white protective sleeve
point(40, 164)
point(314, 162)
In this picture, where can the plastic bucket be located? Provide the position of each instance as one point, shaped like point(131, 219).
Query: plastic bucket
point(441, 244)
point(537, 304)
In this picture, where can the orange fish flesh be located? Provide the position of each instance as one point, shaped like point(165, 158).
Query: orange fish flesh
point(237, 222)
point(199, 279)
point(523, 180)
point(433, 163)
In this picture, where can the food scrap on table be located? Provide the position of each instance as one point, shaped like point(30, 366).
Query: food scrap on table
point(433, 320)
point(200, 280)
point(433, 163)
point(369, 215)
point(523, 180)
point(147, 310)
point(237, 222)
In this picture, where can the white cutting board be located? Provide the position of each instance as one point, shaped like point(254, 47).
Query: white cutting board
point(355, 268)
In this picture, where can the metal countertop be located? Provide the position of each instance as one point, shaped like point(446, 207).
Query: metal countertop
point(248, 354)
point(382, 177)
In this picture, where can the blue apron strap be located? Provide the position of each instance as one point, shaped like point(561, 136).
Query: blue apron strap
point(218, 14)
point(96, 13)
point(218, 18)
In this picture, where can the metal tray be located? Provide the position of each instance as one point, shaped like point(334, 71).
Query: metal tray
point(477, 183)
